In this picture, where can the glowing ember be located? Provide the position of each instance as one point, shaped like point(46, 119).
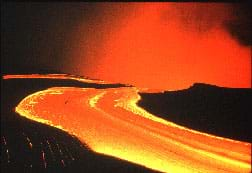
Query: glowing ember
point(110, 122)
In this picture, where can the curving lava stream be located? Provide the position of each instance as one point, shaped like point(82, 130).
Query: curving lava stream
point(110, 122)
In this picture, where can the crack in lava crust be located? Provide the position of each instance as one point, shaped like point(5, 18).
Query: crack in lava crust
point(110, 122)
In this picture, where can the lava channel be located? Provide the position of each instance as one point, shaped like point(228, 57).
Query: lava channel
point(110, 122)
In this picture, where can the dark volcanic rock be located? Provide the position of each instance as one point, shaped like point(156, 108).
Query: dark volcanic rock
point(216, 110)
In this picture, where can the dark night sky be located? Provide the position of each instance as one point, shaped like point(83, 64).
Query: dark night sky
point(36, 37)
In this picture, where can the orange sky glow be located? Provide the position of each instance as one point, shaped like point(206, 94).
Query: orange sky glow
point(167, 46)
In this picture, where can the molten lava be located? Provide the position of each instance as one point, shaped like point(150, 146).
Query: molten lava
point(53, 76)
point(110, 122)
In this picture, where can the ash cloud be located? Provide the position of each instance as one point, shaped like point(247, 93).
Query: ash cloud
point(240, 26)
point(235, 18)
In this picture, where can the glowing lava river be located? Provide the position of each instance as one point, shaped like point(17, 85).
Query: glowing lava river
point(110, 122)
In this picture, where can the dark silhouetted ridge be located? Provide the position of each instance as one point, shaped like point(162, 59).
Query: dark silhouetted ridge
point(208, 108)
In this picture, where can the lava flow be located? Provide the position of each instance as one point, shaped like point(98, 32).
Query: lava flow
point(110, 122)
point(53, 76)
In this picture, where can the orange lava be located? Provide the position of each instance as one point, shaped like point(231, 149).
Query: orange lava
point(168, 46)
point(110, 122)
point(53, 76)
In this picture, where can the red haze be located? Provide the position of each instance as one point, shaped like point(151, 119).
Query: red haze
point(167, 46)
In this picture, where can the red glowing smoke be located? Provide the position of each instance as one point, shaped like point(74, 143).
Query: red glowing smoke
point(165, 46)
